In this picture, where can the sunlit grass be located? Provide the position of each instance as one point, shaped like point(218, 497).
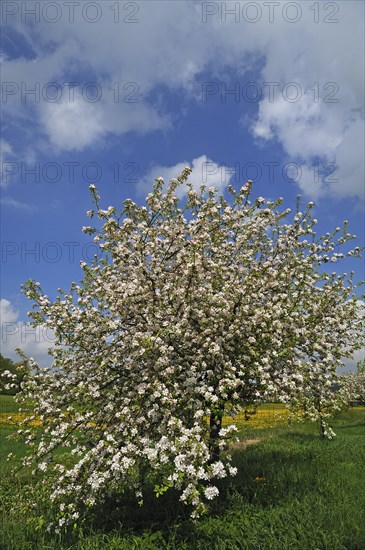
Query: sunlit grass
point(267, 415)
point(292, 491)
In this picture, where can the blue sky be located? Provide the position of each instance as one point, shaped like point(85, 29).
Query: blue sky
point(118, 93)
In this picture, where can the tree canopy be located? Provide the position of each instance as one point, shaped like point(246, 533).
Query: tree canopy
point(194, 308)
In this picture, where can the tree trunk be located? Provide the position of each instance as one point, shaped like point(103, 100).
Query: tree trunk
point(215, 425)
point(322, 428)
point(321, 422)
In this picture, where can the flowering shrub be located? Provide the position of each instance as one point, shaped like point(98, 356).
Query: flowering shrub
point(352, 387)
point(194, 308)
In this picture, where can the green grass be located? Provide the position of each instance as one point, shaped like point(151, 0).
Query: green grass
point(7, 404)
point(310, 495)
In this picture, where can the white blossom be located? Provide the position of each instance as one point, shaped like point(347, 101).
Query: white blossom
point(211, 492)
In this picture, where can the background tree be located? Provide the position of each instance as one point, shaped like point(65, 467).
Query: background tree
point(11, 375)
point(195, 308)
point(360, 366)
point(352, 385)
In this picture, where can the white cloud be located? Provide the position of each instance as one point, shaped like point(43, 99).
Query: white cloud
point(6, 156)
point(5, 150)
point(171, 46)
point(71, 125)
point(205, 171)
point(327, 121)
point(8, 201)
point(349, 157)
point(8, 313)
point(76, 124)
point(34, 342)
point(305, 129)
point(310, 181)
point(309, 131)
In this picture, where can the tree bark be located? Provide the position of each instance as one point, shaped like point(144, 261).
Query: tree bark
point(215, 425)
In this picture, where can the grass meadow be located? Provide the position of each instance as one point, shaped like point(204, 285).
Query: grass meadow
point(293, 491)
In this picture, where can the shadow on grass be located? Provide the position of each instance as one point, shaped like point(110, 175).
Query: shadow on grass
point(267, 475)
point(122, 512)
point(346, 426)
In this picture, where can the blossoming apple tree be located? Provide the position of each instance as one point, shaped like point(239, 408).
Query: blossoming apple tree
point(352, 385)
point(194, 308)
